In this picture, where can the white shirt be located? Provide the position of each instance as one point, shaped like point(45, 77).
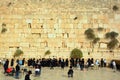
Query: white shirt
point(37, 69)
point(114, 64)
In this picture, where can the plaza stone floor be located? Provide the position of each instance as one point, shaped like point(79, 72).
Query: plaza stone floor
point(60, 74)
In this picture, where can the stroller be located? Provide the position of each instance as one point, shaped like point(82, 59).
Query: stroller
point(10, 71)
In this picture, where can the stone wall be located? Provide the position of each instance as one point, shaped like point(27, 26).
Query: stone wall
point(36, 26)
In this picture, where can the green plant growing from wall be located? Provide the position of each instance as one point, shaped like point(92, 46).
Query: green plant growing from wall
point(100, 29)
point(115, 8)
point(3, 25)
point(113, 43)
point(4, 29)
point(90, 35)
point(18, 52)
point(76, 53)
point(96, 40)
point(47, 52)
point(111, 35)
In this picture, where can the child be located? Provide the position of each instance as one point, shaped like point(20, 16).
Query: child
point(37, 71)
point(70, 72)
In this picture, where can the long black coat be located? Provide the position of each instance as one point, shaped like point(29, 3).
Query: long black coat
point(27, 77)
point(12, 62)
point(17, 67)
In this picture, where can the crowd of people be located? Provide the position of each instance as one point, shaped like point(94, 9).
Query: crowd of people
point(18, 65)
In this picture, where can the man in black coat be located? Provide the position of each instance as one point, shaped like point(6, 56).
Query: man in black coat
point(12, 62)
point(6, 65)
point(27, 76)
point(5, 68)
point(23, 61)
point(17, 71)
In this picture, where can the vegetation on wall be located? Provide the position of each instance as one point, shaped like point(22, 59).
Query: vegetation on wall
point(76, 53)
point(3, 25)
point(18, 52)
point(112, 44)
point(95, 40)
point(115, 8)
point(4, 29)
point(47, 52)
point(90, 35)
point(113, 40)
point(111, 35)
point(100, 29)
point(9, 4)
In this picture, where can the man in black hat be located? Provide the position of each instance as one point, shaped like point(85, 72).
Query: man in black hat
point(17, 71)
point(27, 76)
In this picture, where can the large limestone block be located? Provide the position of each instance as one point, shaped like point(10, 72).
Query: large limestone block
point(33, 49)
point(36, 31)
point(24, 44)
point(18, 30)
point(35, 44)
point(14, 44)
point(117, 17)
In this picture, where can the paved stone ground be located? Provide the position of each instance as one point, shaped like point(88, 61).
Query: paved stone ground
point(60, 74)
